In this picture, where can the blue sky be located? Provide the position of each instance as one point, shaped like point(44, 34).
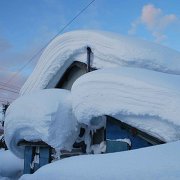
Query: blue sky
point(26, 25)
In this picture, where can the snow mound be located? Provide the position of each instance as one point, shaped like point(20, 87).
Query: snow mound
point(11, 167)
point(45, 115)
point(158, 162)
point(110, 50)
point(145, 99)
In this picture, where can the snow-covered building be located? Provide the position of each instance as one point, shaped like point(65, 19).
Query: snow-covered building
point(130, 99)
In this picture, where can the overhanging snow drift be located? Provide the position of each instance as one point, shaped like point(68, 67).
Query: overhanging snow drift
point(146, 99)
point(45, 115)
point(110, 50)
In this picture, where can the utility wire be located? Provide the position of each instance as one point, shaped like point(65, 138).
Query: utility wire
point(9, 90)
point(4, 101)
point(12, 86)
point(7, 100)
point(8, 87)
point(1, 97)
point(32, 58)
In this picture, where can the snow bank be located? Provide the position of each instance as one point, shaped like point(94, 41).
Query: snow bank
point(110, 50)
point(158, 162)
point(10, 165)
point(45, 115)
point(146, 99)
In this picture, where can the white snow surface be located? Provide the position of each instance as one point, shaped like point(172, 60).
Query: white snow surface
point(160, 162)
point(11, 167)
point(146, 99)
point(110, 50)
point(142, 89)
point(45, 115)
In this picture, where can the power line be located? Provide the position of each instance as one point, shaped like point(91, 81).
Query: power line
point(8, 87)
point(13, 86)
point(8, 99)
point(4, 98)
point(32, 58)
point(2, 101)
point(5, 102)
point(9, 90)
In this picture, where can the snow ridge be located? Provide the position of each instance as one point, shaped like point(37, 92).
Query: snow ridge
point(42, 116)
point(110, 50)
point(119, 92)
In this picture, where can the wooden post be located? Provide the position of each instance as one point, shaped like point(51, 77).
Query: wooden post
point(40, 152)
point(89, 52)
point(44, 157)
point(36, 155)
point(28, 157)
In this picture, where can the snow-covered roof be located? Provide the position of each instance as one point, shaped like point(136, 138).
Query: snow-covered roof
point(145, 99)
point(138, 83)
point(110, 50)
point(42, 116)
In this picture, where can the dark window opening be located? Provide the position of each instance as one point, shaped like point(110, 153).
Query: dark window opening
point(116, 129)
point(75, 70)
point(72, 73)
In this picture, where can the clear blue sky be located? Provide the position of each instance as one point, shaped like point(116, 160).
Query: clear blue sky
point(22, 22)
point(25, 25)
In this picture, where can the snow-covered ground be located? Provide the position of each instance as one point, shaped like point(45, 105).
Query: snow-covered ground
point(160, 162)
point(11, 167)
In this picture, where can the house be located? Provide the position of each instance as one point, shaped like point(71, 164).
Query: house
point(120, 97)
point(114, 129)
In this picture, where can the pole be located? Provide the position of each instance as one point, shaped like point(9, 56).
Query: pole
point(89, 59)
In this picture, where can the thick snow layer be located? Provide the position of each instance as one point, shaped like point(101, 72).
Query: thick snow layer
point(45, 115)
point(146, 99)
point(11, 167)
point(158, 162)
point(109, 50)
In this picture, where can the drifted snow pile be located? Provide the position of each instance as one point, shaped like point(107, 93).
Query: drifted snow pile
point(45, 115)
point(110, 50)
point(145, 99)
point(153, 163)
point(11, 167)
